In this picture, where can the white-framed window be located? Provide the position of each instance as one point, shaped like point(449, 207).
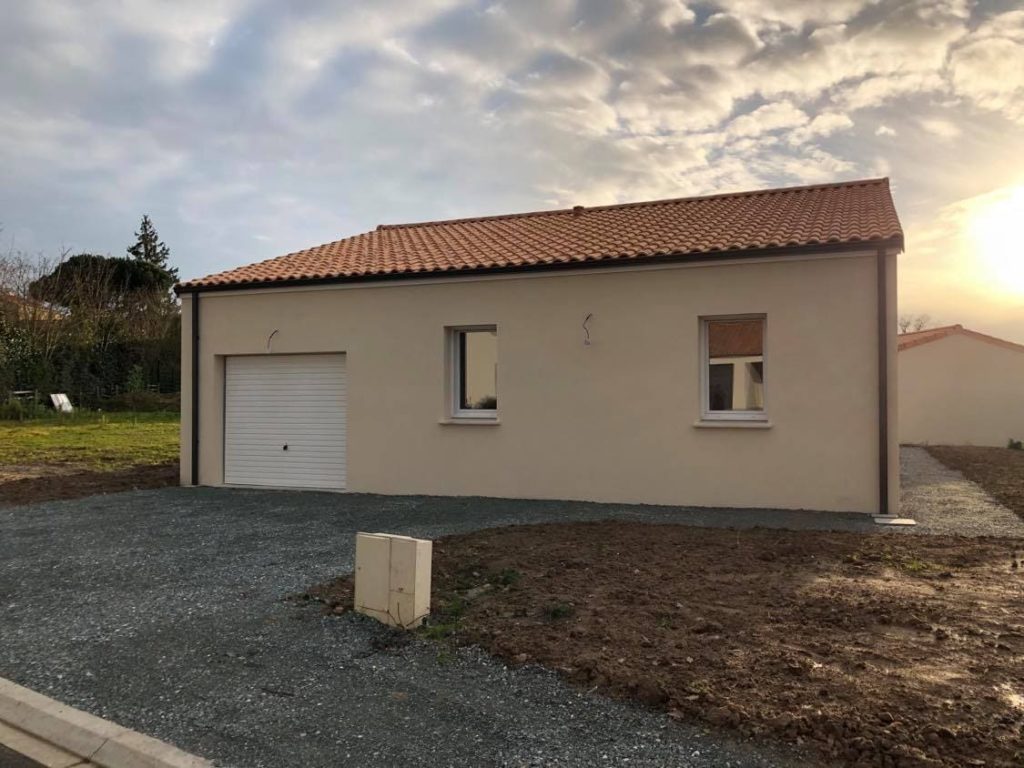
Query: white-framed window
point(473, 368)
point(733, 368)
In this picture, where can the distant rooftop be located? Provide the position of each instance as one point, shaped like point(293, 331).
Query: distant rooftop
point(928, 335)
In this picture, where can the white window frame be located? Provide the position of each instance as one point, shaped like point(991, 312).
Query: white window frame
point(706, 414)
point(455, 375)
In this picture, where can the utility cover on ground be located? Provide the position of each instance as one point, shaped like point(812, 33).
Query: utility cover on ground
point(393, 578)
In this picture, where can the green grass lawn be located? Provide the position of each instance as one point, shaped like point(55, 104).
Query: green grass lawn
point(94, 440)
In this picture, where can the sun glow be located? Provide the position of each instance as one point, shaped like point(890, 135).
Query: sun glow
point(996, 231)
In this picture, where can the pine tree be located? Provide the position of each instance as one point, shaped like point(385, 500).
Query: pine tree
point(151, 249)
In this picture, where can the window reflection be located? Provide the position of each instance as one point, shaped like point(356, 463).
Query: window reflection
point(478, 370)
point(735, 358)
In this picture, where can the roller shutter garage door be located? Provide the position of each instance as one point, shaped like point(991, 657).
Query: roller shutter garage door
point(284, 421)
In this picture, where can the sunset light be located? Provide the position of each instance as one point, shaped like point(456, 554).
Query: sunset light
point(994, 230)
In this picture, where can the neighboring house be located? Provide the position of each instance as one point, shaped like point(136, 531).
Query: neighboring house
point(960, 387)
point(18, 307)
point(725, 351)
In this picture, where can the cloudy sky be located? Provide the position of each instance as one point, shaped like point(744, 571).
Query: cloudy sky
point(250, 128)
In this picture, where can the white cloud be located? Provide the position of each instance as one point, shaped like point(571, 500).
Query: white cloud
point(878, 90)
point(672, 12)
point(825, 124)
point(796, 13)
point(767, 118)
point(944, 129)
point(988, 67)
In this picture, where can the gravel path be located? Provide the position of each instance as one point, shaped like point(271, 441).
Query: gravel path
point(942, 500)
point(163, 610)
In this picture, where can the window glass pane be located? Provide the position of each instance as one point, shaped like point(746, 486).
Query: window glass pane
point(735, 365)
point(478, 370)
point(720, 387)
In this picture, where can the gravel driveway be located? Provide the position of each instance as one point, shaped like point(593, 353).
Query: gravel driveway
point(942, 500)
point(163, 610)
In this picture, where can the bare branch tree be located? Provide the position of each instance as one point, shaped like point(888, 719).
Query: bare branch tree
point(37, 319)
point(912, 323)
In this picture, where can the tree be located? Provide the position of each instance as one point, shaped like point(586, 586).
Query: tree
point(30, 329)
point(91, 326)
point(101, 282)
point(149, 248)
point(914, 323)
point(106, 300)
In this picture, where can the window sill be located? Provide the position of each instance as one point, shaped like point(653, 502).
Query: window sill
point(732, 424)
point(470, 421)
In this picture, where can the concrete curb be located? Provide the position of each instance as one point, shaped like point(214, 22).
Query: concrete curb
point(94, 739)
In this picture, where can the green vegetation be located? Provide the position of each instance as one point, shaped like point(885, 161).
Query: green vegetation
point(91, 439)
point(507, 578)
point(92, 326)
point(907, 563)
point(470, 583)
point(557, 611)
point(445, 620)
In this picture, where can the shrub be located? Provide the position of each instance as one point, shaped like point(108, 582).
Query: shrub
point(136, 379)
point(1015, 445)
point(12, 410)
point(20, 409)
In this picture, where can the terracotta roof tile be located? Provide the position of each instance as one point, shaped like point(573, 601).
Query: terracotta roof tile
point(851, 212)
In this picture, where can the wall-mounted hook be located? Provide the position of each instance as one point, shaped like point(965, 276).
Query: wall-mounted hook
point(271, 338)
point(586, 329)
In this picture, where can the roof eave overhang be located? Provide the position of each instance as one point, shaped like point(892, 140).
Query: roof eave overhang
point(894, 243)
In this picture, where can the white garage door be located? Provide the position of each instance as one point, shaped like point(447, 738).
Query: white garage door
point(284, 421)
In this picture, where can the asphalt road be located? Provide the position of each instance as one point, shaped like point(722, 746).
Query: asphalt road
point(9, 759)
point(165, 611)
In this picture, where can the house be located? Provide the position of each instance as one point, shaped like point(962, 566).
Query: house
point(960, 387)
point(735, 350)
point(15, 307)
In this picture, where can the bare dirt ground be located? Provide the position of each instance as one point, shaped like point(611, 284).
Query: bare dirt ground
point(27, 484)
point(1000, 471)
point(11, 472)
point(875, 650)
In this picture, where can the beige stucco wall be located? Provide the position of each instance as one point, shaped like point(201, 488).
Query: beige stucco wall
point(612, 421)
point(961, 391)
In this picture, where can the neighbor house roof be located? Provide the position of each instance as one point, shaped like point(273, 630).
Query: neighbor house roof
point(928, 335)
point(25, 306)
point(825, 216)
